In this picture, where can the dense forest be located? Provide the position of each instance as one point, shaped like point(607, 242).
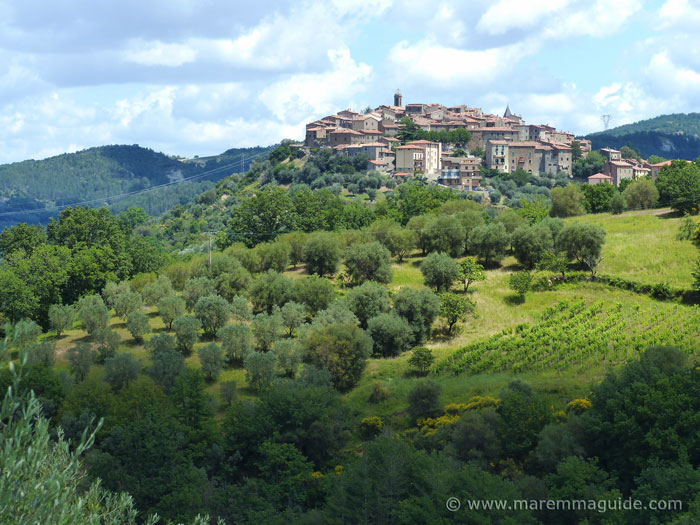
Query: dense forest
point(97, 173)
point(674, 136)
point(353, 350)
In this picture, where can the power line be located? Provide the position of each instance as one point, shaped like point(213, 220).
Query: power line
point(240, 164)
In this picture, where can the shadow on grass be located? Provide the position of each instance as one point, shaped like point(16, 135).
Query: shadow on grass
point(670, 215)
point(514, 299)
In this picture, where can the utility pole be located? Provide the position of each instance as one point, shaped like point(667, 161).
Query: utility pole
point(210, 232)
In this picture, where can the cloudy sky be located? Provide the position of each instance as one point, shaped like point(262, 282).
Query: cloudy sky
point(196, 77)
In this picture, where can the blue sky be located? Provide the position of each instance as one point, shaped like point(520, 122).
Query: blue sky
point(196, 77)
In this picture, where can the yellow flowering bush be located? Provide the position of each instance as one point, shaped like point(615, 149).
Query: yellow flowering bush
point(578, 406)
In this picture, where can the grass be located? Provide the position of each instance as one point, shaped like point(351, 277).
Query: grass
point(642, 246)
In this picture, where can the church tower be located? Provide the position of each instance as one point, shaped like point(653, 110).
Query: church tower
point(397, 98)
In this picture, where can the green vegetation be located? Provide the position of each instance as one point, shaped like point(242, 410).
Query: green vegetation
point(677, 133)
point(296, 373)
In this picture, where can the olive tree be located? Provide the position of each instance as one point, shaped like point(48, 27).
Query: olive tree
point(439, 271)
point(213, 312)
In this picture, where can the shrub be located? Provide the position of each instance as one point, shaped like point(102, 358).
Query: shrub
point(421, 360)
point(379, 393)
point(371, 427)
point(424, 400)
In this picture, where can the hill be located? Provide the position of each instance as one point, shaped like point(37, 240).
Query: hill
point(668, 136)
point(29, 187)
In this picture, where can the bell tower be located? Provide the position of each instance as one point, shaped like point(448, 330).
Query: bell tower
point(397, 98)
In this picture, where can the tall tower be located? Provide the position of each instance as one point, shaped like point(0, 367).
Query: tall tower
point(397, 98)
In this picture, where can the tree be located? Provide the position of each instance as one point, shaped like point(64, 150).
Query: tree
point(236, 341)
point(165, 368)
point(61, 317)
point(195, 289)
point(444, 233)
point(598, 197)
point(567, 201)
point(160, 343)
point(260, 369)
point(530, 243)
point(314, 292)
point(421, 360)
point(470, 271)
point(267, 328)
point(22, 236)
point(534, 210)
point(419, 307)
point(81, 357)
point(230, 284)
point(113, 290)
point(679, 185)
point(628, 152)
point(263, 217)
point(397, 240)
point(47, 474)
point(581, 240)
point(439, 271)
point(295, 242)
point(489, 242)
point(211, 356)
point(552, 261)
point(121, 369)
point(187, 331)
point(390, 333)
point(524, 413)
point(127, 303)
point(641, 194)
point(213, 312)
point(367, 300)
point(293, 316)
point(170, 308)
point(618, 203)
point(424, 400)
point(520, 282)
point(108, 342)
point(342, 349)
point(153, 292)
point(288, 354)
point(369, 261)
point(93, 313)
point(138, 325)
point(322, 254)
point(240, 309)
point(228, 391)
point(273, 256)
point(270, 289)
point(455, 308)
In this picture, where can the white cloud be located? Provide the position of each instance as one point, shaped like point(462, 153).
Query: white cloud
point(505, 15)
point(440, 67)
point(305, 95)
point(159, 54)
point(679, 14)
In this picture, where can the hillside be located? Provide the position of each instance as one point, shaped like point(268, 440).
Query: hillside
point(668, 136)
point(96, 173)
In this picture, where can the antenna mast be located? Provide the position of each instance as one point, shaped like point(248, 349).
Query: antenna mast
point(606, 121)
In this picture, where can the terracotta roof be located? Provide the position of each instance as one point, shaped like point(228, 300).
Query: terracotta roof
point(370, 132)
point(378, 162)
point(346, 130)
point(408, 147)
point(422, 142)
point(620, 163)
point(501, 129)
point(600, 176)
point(401, 174)
point(661, 164)
point(499, 142)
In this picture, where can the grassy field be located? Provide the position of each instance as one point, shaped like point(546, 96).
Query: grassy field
point(639, 246)
point(642, 246)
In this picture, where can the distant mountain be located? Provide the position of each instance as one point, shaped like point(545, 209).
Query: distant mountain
point(675, 136)
point(31, 190)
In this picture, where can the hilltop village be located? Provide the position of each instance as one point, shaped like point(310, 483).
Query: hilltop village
point(502, 143)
